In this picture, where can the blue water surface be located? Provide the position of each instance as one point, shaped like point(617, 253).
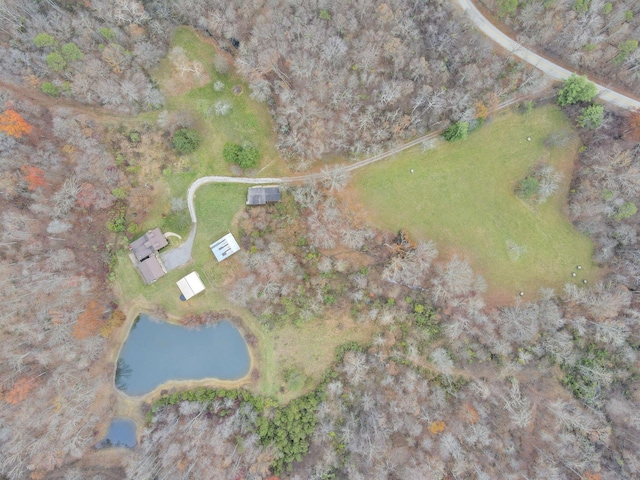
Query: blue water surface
point(157, 351)
point(121, 433)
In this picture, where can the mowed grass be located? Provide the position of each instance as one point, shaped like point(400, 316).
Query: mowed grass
point(461, 195)
point(216, 206)
point(248, 120)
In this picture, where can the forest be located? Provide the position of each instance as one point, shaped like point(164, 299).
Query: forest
point(450, 383)
point(594, 36)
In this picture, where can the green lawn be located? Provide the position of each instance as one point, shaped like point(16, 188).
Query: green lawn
point(461, 196)
point(248, 120)
point(216, 205)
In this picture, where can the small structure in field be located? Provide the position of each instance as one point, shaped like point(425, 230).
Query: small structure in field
point(225, 247)
point(263, 194)
point(191, 285)
point(144, 255)
point(149, 243)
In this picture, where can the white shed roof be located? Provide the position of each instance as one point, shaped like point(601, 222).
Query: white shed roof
point(190, 285)
point(225, 247)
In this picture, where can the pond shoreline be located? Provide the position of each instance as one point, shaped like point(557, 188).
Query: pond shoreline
point(135, 407)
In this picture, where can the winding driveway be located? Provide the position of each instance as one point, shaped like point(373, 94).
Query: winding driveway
point(549, 68)
point(179, 256)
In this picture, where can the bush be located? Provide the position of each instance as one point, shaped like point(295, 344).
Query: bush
point(457, 131)
point(186, 140)
point(56, 62)
point(71, 52)
point(108, 34)
point(44, 40)
point(245, 156)
point(527, 187)
point(591, 117)
point(50, 89)
point(576, 89)
point(120, 193)
point(625, 211)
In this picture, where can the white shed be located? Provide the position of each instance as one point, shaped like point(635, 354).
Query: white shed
point(190, 285)
point(225, 247)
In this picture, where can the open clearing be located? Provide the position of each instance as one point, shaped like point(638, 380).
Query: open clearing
point(461, 196)
point(247, 121)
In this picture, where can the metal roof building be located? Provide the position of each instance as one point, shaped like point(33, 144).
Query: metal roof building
point(263, 194)
point(190, 285)
point(225, 247)
point(150, 242)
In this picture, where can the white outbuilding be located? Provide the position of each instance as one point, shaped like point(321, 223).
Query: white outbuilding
point(225, 247)
point(190, 285)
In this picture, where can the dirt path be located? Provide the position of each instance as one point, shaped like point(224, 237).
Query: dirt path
point(39, 98)
point(179, 256)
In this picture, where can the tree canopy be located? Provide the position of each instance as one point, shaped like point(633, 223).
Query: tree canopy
point(245, 156)
point(12, 123)
point(186, 140)
point(457, 131)
point(591, 116)
point(576, 89)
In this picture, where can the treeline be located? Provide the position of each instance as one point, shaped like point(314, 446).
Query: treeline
point(223, 434)
point(353, 77)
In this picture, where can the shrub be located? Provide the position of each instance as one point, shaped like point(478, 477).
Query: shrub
point(625, 211)
point(591, 117)
point(186, 140)
point(44, 40)
point(576, 89)
point(56, 62)
point(120, 193)
point(108, 34)
point(527, 187)
point(245, 156)
point(457, 131)
point(71, 52)
point(50, 89)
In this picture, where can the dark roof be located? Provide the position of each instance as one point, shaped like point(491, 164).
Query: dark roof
point(150, 269)
point(150, 242)
point(263, 194)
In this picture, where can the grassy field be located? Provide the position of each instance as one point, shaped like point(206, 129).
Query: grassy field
point(461, 196)
point(248, 121)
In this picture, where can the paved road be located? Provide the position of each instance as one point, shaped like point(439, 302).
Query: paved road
point(554, 71)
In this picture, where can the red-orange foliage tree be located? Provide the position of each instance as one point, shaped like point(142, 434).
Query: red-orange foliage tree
point(12, 123)
point(88, 323)
point(34, 176)
point(20, 390)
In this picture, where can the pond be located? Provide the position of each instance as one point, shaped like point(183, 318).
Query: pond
point(156, 352)
point(121, 433)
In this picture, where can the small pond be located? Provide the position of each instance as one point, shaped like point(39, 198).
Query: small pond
point(121, 433)
point(157, 351)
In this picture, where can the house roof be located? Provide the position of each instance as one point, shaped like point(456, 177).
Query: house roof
point(150, 242)
point(225, 247)
point(151, 269)
point(263, 194)
point(190, 285)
